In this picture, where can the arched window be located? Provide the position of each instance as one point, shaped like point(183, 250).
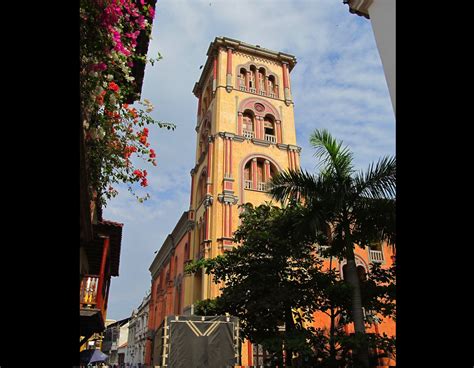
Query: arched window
point(247, 125)
point(202, 187)
point(269, 126)
point(272, 91)
point(186, 252)
point(253, 72)
point(204, 137)
point(257, 173)
point(242, 77)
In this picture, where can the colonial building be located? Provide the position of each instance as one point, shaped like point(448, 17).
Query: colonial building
point(137, 331)
point(115, 340)
point(245, 134)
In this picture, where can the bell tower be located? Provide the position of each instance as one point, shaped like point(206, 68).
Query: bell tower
point(245, 135)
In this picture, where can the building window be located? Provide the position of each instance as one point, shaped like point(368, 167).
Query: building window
point(242, 77)
point(269, 126)
point(247, 125)
point(253, 72)
point(257, 174)
point(272, 89)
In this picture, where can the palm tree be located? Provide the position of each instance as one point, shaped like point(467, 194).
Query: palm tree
point(356, 207)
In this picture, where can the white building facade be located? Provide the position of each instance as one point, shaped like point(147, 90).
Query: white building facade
point(137, 330)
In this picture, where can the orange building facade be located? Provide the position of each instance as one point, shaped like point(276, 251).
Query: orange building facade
point(245, 135)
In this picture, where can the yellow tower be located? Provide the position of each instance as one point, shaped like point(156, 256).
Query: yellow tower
point(245, 134)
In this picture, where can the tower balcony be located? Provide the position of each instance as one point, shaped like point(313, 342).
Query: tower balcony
point(92, 303)
point(270, 138)
point(248, 134)
point(376, 256)
point(261, 186)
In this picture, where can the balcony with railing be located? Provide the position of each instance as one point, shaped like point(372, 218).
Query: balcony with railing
point(262, 187)
point(272, 95)
point(93, 302)
point(376, 256)
point(262, 92)
point(88, 291)
point(252, 90)
point(248, 134)
point(270, 138)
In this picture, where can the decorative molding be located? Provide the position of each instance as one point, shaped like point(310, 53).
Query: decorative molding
point(227, 197)
point(208, 199)
point(238, 138)
point(260, 142)
point(224, 135)
point(249, 104)
point(254, 59)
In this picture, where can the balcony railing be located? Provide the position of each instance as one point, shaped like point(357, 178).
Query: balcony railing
point(242, 88)
point(248, 184)
point(375, 256)
point(252, 90)
point(88, 292)
point(262, 187)
point(273, 95)
point(262, 92)
point(248, 134)
point(270, 138)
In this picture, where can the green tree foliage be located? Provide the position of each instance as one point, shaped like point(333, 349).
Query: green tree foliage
point(344, 208)
point(275, 279)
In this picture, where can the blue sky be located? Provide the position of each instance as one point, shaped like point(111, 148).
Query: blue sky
point(338, 84)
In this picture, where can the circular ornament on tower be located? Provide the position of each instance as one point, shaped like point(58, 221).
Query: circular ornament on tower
point(259, 107)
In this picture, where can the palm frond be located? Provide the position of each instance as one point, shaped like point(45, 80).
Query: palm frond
point(379, 181)
point(335, 159)
point(294, 184)
point(375, 221)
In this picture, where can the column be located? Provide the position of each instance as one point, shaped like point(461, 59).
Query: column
point(229, 234)
point(266, 167)
point(290, 162)
point(286, 85)
point(230, 157)
point(239, 123)
point(209, 164)
point(278, 131)
point(214, 74)
point(224, 140)
point(257, 81)
point(224, 219)
point(229, 70)
point(247, 80)
point(254, 173)
point(267, 92)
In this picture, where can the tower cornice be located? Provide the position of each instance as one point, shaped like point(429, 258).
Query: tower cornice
point(239, 46)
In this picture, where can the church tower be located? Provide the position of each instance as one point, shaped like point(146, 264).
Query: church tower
point(245, 135)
